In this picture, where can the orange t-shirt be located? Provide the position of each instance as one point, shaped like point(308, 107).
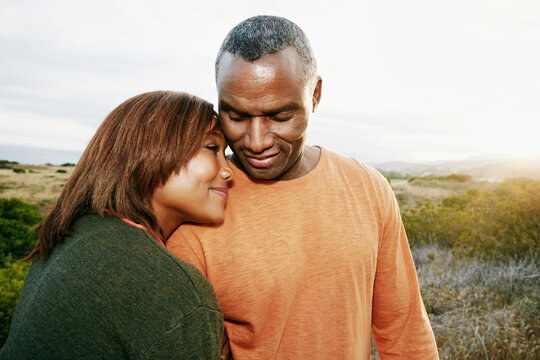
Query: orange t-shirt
point(305, 268)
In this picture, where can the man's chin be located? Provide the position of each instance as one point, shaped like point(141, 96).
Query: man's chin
point(262, 174)
point(269, 173)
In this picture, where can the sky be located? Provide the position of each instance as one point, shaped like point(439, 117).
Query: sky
point(403, 80)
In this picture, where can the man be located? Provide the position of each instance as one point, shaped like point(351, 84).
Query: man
point(312, 255)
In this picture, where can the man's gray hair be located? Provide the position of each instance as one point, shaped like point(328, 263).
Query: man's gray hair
point(262, 35)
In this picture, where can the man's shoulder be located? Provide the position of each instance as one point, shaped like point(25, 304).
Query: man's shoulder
point(347, 165)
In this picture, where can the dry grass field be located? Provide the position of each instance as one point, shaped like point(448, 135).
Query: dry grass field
point(410, 195)
point(39, 184)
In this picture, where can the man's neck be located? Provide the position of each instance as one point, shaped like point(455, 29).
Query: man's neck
point(307, 161)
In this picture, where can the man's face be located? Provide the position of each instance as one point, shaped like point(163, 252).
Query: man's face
point(264, 108)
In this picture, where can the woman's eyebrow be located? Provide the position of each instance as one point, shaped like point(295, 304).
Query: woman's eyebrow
point(215, 132)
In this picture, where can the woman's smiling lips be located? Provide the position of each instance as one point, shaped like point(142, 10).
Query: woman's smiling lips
point(262, 162)
point(221, 191)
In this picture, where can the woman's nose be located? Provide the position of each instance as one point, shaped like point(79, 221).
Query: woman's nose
point(226, 172)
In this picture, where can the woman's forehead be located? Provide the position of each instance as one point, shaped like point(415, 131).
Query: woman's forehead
point(214, 130)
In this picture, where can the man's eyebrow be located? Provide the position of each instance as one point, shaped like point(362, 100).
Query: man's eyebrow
point(228, 107)
point(288, 107)
point(284, 108)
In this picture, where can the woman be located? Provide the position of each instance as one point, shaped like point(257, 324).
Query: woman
point(102, 285)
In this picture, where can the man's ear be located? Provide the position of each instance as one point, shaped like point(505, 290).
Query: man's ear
point(317, 91)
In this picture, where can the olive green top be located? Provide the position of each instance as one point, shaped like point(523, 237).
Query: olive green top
point(111, 291)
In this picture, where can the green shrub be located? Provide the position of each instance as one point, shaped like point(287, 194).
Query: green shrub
point(61, 171)
point(5, 164)
point(461, 178)
point(19, 171)
point(68, 164)
point(503, 222)
point(17, 229)
point(455, 178)
point(11, 283)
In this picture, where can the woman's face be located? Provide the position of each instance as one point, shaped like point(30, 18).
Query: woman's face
point(198, 192)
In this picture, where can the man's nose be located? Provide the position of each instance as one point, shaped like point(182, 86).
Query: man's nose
point(258, 137)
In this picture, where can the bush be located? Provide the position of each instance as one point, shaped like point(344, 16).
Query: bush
point(68, 164)
point(11, 283)
point(461, 178)
point(497, 223)
point(19, 171)
point(455, 177)
point(62, 171)
point(17, 229)
point(5, 164)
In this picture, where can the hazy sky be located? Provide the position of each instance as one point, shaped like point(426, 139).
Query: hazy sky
point(402, 79)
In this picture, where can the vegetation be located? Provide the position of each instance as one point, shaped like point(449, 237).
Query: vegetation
point(18, 235)
point(40, 185)
point(18, 171)
point(24, 200)
point(480, 309)
point(5, 164)
point(477, 256)
point(476, 246)
point(61, 171)
point(498, 223)
point(11, 282)
point(452, 177)
point(394, 175)
point(17, 229)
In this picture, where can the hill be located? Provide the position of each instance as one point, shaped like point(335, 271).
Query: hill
point(494, 169)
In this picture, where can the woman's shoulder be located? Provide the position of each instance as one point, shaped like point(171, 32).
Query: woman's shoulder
point(112, 257)
point(108, 284)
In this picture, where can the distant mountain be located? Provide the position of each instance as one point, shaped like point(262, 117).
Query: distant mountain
point(479, 167)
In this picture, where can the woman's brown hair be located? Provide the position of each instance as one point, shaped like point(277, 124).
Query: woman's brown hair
point(134, 151)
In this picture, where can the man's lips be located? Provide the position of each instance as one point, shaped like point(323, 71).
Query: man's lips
point(221, 191)
point(262, 161)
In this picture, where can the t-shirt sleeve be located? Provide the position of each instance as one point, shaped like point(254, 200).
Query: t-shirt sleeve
point(197, 336)
point(400, 324)
point(185, 244)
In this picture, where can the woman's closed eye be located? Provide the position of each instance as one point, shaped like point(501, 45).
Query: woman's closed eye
point(212, 147)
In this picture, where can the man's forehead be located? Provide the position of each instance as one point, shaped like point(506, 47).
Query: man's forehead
point(287, 60)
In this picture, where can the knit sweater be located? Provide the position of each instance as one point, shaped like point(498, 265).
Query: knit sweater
point(111, 291)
